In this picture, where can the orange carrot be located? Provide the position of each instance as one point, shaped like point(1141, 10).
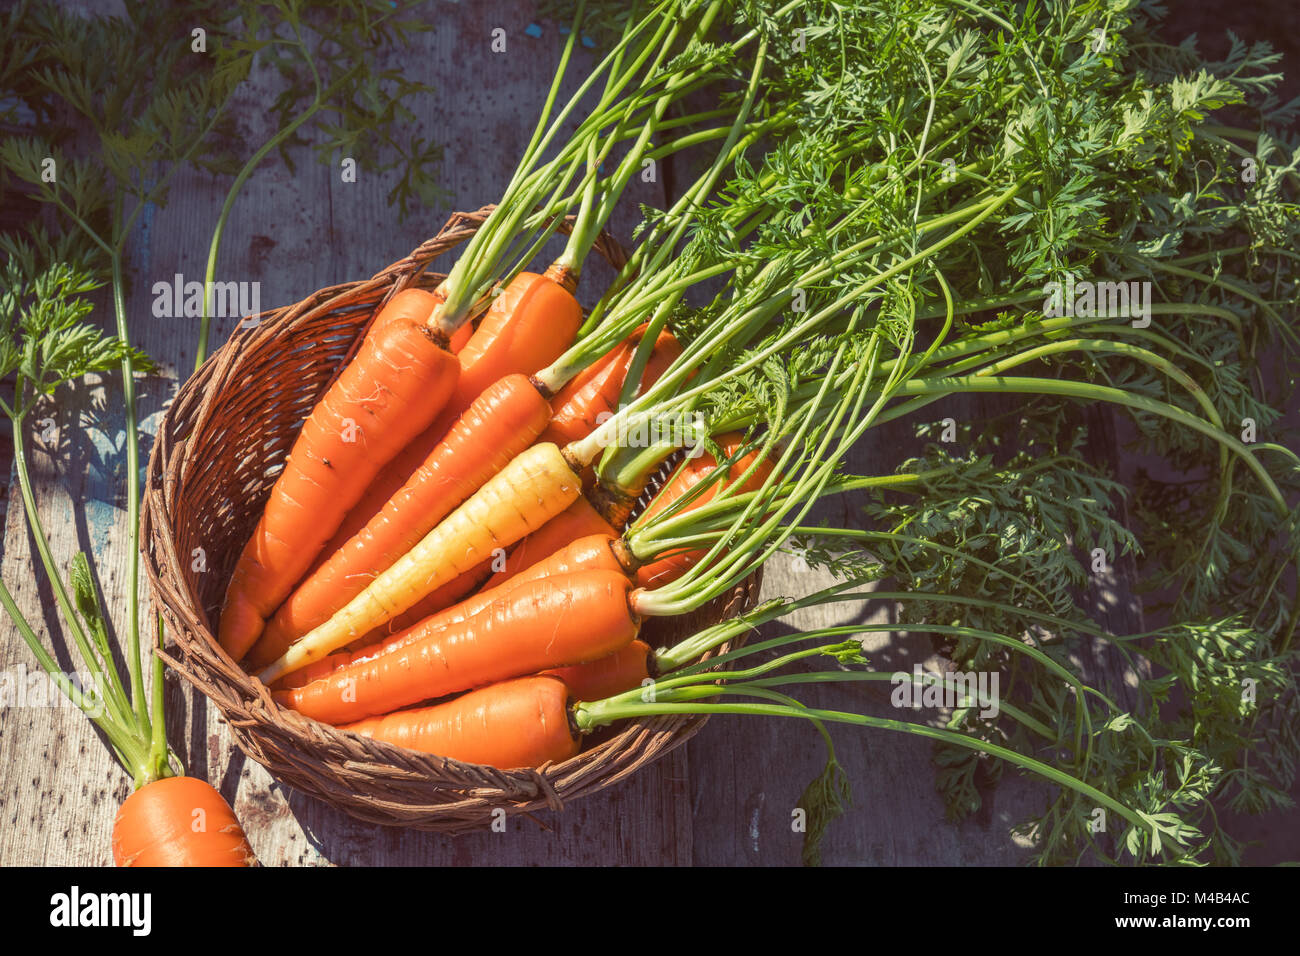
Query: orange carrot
point(178, 821)
point(594, 390)
point(501, 422)
point(396, 385)
point(578, 408)
point(595, 552)
point(669, 567)
point(353, 522)
point(529, 326)
point(417, 305)
point(510, 725)
point(544, 623)
point(613, 674)
point(578, 521)
point(591, 552)
point(316, 670)
point(410, 305)
point(666, 351)
point(460, 338)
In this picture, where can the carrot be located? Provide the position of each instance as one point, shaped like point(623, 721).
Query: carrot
point(178, 821)
point(417, 305)
point(460, 338)
point(399, 381)
point(577, 408)
point(439, 599)
point(536, 480)
point(536, 486)
point(318, 669)
point(594, 390)
point(358, 516)
point(548, 622)
point(500, 423)
point(529, 325)
point(613, 674)
point(693, 470)
point(513, 724)
point(666, 351)
point(409, 305)
point(579, 520)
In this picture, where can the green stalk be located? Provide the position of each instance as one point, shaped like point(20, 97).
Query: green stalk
point(591, 716)
point(735, 555)
point(653, 402)
point(159, 752)
point(133, 659)
point(601, 331)
point(696, 646)
point(702, 187)
point(118, 721)
point(836, 677)
point(1090, 392)
point(592, 218)
point(487, 244)
point(663, 601)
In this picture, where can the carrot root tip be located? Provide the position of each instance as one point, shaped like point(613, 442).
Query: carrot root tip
point(624, 556)
point(543, 390)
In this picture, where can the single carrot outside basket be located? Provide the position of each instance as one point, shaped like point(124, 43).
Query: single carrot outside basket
point(218, 450)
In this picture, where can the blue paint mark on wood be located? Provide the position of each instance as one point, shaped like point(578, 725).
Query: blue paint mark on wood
point(533, 30)
point(149, 423)
point(100, 518)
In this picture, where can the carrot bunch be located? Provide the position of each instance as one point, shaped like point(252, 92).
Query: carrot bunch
point(574, 613)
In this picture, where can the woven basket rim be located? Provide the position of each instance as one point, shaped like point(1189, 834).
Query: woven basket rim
point(368, 779)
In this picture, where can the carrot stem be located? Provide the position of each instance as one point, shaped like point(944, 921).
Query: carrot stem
point(481, 255)
point(133, 659)
point(159, 752)
point(694, 688)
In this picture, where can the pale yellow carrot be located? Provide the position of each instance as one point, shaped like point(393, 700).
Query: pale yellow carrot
point(535, 487)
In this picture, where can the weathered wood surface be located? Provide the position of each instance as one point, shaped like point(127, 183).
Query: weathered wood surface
point(725, 798)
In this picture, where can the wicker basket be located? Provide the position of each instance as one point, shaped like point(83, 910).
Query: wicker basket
point(213, 464)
